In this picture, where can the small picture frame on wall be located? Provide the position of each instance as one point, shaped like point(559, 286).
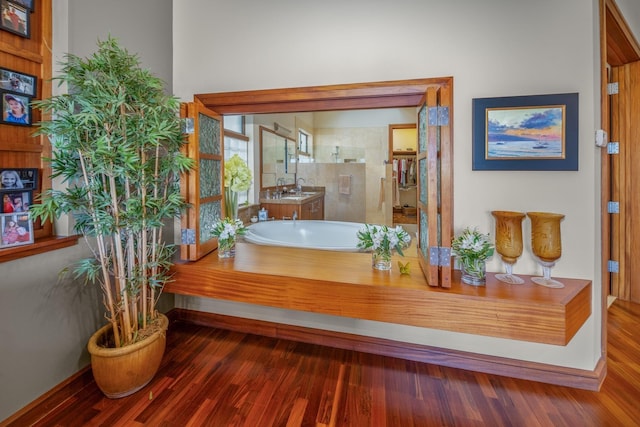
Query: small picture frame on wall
point(13, 179)
point(27, 4)
point(538, 132)
point(15, 201)
point(16, 109)
point(19, 83)
point(17, 229)
point(16, 19)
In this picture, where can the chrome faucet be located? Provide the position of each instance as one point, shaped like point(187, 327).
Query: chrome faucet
point(279, 181)
point(299, 186)
point(294, 216)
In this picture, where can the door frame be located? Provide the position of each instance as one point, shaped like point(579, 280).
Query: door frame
point(618, 46)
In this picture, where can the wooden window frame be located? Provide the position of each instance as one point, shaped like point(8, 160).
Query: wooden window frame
point(436, 94)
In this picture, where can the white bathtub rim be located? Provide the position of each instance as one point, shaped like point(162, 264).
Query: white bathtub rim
point(347, 246)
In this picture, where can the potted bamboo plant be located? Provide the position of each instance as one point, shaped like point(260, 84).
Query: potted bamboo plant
point(117, 142)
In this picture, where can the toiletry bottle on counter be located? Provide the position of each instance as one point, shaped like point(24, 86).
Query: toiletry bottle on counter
point(263, 214)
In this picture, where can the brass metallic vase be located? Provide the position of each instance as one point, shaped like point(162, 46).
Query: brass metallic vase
point(546, 244)
point(509, 243)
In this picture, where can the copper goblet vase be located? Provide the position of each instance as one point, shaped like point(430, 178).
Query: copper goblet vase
point(509, 243)
point(546, 244)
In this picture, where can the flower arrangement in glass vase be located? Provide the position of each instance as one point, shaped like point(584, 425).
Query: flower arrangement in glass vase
point(472, 249)
point(227, 230)
point(237, 178)
point(382, 241)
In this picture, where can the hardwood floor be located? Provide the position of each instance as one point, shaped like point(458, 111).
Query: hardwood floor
point(214, 377)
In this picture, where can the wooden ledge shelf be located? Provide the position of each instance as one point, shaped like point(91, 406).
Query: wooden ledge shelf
point(344, 284)
point(40, 246)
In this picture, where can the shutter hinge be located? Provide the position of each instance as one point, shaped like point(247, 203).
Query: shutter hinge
point(188, 125)
point(612, 88)
point(613, 266)
point(187, 236)
point(613, 148)
point(438, 116)
point(613, 207)
point(440, 256)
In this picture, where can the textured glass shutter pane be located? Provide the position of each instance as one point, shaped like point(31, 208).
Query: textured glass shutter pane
point(209, 214)
point(439, 186)
point(424, 234)
point(210, 174)
point(422, 171)
point(209, 132)
point(210, 178)
point(422, 129)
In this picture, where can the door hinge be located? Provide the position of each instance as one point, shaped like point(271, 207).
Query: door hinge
point(438, 116)
point(440, 256)
point(187, 236)
point(613, 148)
point(613, 266)
point(612, 88)
point(613, 207)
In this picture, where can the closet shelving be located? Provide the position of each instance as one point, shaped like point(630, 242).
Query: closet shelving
point(405, 187)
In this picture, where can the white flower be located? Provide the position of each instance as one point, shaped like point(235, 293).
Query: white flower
point(383, 238)
point(227, 229)
point(237, 175)
point(472, 245)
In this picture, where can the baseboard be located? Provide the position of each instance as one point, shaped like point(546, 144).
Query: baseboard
point(550, 374)
point(31, 414)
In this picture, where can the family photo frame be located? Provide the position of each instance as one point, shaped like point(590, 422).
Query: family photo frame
point(16, 18)
point(17, 229)
point(16, 109)
point(14, 179)
point(536, 132)
point(19, 83)
point(16, 201)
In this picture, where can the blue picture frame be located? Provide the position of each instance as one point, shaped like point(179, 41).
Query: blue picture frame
point(526, 133)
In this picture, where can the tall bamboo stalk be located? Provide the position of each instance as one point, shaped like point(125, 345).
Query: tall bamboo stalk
point(113, 130)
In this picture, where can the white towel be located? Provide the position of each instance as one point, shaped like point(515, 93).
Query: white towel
point(344, 184)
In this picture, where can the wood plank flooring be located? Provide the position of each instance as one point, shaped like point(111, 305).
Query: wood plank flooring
point(214, 377)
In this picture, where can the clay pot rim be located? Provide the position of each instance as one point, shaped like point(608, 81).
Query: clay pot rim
point(95, 349)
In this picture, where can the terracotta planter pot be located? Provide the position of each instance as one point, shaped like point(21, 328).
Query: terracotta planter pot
point(119, 372)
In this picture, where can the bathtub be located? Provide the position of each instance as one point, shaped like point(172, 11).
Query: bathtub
point(325, 235)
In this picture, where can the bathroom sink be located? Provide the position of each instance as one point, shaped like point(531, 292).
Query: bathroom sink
point(301, 196)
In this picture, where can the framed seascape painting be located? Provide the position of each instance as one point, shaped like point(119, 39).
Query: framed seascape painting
point(538, 132)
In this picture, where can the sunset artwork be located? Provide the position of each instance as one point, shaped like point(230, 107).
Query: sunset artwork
point(525, 133)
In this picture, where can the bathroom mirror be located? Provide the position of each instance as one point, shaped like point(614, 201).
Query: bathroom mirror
point(278, 159)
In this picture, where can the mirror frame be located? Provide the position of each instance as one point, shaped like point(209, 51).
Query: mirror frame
point(286, 138)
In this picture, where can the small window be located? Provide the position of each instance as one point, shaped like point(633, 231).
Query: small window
point(304, 142)
point(234, 123)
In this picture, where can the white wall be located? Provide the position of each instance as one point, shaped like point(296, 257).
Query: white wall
point(491, 48)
